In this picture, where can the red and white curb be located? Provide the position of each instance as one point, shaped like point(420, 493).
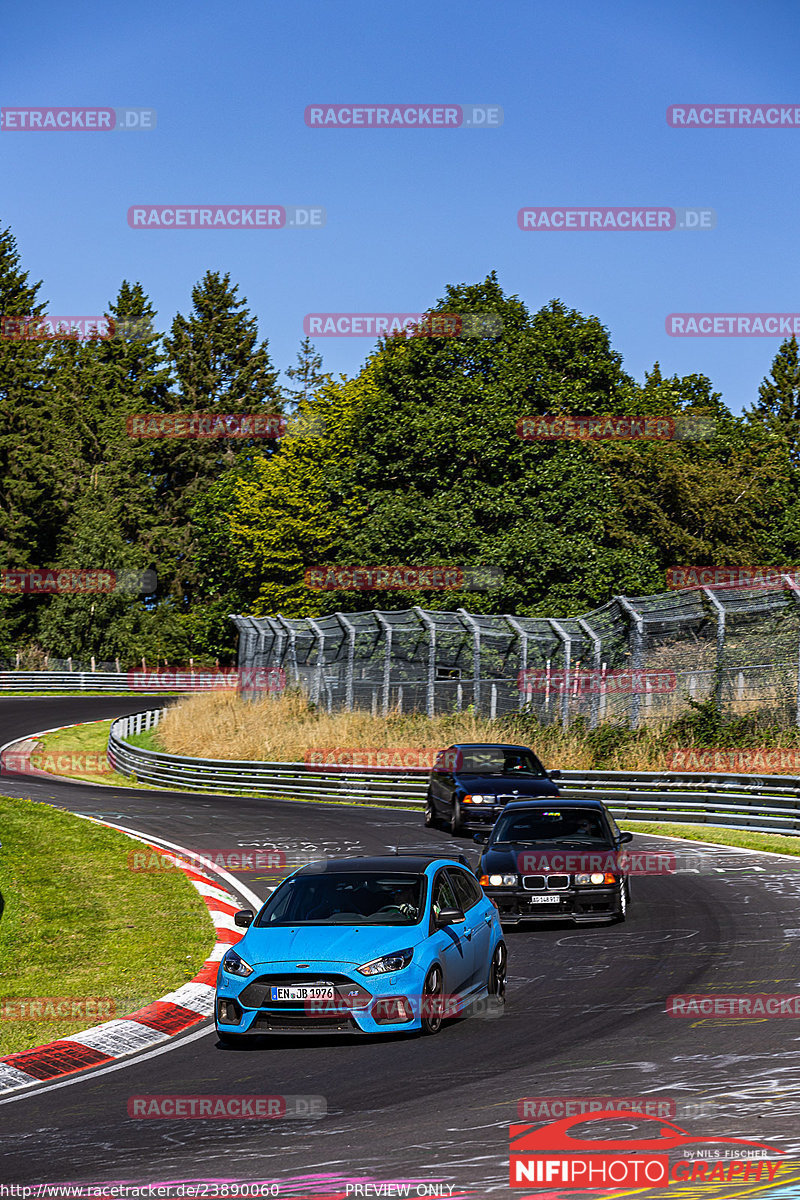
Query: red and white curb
point(174, 1013)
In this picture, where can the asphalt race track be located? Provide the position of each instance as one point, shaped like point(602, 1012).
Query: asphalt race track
point(585, 1016)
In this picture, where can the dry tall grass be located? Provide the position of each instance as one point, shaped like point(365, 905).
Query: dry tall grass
point(283, 729)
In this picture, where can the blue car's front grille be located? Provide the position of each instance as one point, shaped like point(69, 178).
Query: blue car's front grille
point(275, 1022)
point(349, 994)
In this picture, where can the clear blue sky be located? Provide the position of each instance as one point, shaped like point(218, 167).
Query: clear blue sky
point(584, 86)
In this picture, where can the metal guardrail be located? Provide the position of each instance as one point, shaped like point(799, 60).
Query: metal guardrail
point(761, 803)
point(108, 681)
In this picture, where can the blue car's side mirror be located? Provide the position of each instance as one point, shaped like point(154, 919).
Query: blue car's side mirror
point(450, 916)
point(244, 917)
point(481, 838)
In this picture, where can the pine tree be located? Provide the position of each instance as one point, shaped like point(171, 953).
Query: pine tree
point(220, 367)
point(30, 479)
point(308, 373)
point(778, 405)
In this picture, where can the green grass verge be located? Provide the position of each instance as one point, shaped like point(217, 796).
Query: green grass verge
point(76, 751)
point(719, 837)
point(78, 922)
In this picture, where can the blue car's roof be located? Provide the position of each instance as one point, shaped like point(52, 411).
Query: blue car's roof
point(377, 864)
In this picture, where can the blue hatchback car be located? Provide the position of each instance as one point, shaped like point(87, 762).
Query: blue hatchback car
point(364, 945)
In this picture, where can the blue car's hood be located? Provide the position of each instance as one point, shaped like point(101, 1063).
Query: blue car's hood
point(505, 785)
point(326, 943)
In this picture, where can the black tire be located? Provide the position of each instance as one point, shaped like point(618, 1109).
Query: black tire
point(430, 813)
point(624, 898)
point(456, 820)
point(433, 986)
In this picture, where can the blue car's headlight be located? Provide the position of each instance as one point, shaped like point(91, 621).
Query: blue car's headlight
point(389, 962)
point(233, 964)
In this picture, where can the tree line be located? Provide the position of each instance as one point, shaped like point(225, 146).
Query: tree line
point(420, 460)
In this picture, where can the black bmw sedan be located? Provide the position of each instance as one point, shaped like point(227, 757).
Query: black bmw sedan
point(471, 783)
point(556, 860)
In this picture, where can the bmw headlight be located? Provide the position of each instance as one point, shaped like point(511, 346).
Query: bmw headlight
point(499, 880)
point(389, 962)
point(596, 877)
point(477, 799)
point(233, 964)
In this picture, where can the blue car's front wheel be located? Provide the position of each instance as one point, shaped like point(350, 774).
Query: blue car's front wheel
point(432, 1001)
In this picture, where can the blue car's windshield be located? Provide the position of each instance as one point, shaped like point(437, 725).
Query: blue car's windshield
point(346, 898)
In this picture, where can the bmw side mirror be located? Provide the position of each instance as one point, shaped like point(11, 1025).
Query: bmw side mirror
point(481, 838)
point(244, 917)
point(554, 774)
point(625, 837)
point(450, 916)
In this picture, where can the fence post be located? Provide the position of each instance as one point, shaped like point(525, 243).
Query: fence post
point(566, 641)
point(350, 629)
point(427, 623)
point(523, 656)
point(597, 642)
point(319, 678)
point(720, 610)
point(472, 624)
point(387, 659)
point(292, 646)
point(795, 590)
point(637, 653)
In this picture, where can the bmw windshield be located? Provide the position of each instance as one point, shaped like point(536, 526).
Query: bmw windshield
point(499, 762)
point(345, 898)
point(553, 827)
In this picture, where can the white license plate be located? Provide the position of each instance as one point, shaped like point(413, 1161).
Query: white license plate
point(304, 992)
point(546, 899)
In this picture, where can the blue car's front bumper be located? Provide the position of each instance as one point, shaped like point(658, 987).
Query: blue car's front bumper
point(363, 1004)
